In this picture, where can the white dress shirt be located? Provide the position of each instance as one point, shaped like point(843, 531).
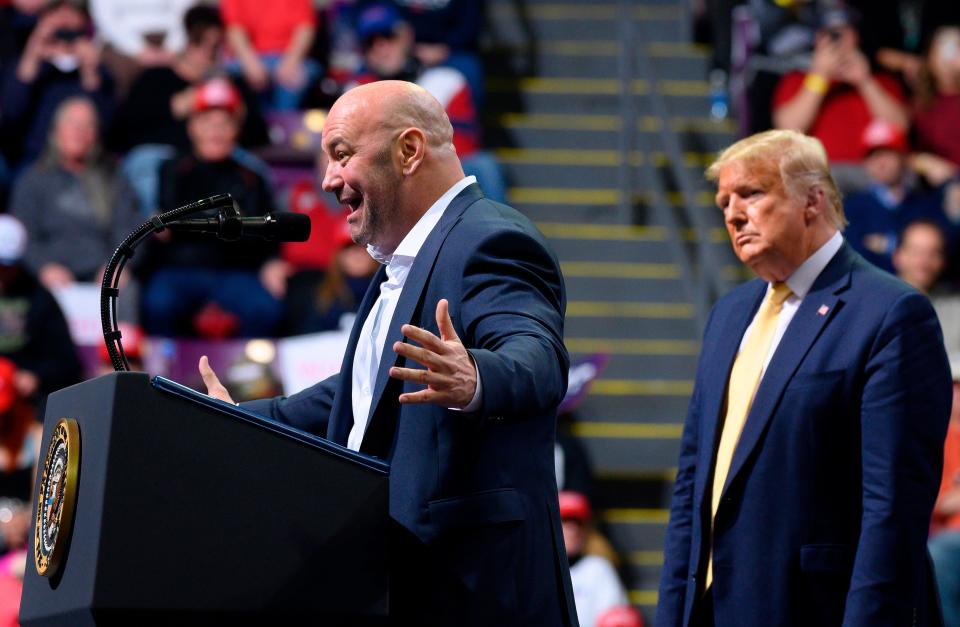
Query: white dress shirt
point(370, 345)
point(799, 283)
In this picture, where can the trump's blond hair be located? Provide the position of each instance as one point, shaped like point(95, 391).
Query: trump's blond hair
point(801, 160)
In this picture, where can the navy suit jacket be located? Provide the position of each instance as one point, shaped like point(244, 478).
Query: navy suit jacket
point(479, 488)
point(824, 516)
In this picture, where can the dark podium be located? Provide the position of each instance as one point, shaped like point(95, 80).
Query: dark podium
point(190, 511)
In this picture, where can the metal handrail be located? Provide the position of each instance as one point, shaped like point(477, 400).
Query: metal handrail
point(701, 266)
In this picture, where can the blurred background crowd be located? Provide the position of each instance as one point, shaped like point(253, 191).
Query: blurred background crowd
point(114, 110)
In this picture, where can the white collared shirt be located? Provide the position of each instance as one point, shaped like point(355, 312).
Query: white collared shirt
point(799, 283)
point(366, 358)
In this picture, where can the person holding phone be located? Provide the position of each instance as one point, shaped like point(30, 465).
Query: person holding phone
point(839, 95)
point(61, 60)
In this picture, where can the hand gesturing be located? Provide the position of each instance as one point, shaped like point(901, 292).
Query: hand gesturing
point(450, 375)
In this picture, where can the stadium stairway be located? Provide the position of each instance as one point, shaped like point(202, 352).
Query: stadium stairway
point(555, 118)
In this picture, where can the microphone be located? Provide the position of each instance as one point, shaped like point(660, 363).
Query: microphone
point(280, 227)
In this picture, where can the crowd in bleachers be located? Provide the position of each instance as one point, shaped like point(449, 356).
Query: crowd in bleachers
point(112, 111)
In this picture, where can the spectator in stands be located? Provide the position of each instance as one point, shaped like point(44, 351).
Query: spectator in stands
point(33, 332)
point(151, 124)
point(60, 60)
point(223, 287)
point(148, 33)
point(318, 302)
point(272, 47)
point(878, 213)
point(74, 204)
point(447, 32)
point(138, 34)
point(839, 95)
point(596, 585)
point(920, 255)
point(570, 458)
point(937, 108)
point(17, 20)
point(920, 260)
point(20, 434)
point(20, 440)
point(388, 44)
point(944, 542)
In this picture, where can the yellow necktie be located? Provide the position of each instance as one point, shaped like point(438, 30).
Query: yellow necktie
point(744, 379)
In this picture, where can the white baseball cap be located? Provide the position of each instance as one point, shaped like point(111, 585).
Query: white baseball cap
point(13, 240)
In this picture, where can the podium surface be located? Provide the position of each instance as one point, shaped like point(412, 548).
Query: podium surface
point(190, 511)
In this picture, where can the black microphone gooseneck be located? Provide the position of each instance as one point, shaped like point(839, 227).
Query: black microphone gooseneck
point(229, 214)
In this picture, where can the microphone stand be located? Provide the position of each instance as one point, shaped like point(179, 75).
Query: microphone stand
point(109, 288)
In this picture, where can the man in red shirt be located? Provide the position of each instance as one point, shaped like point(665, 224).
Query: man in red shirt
point(271, 47)
point(839, 95)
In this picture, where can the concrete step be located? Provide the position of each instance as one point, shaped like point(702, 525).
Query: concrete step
point(533, 3)
point(626, 251)
point(543, 167)
point(537, 175)
point(548, 133)
point(592, 95)
point(594, 59)
point(617, 400)
point(617, 330)
point(600, 204)
point(634, 446)
point(642, 359)
point(588, 21)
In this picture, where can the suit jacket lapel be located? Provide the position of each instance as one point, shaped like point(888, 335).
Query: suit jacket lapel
point(378, 432)
point(341, 414)
point(805, 327)
point(714, 384)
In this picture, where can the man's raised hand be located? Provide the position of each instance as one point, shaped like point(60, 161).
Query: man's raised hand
point(450, 374)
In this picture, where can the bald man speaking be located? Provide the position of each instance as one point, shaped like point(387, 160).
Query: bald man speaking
point(453, 371)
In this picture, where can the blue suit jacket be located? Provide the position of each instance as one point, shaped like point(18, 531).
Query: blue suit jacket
point(824, 516)
point(480, 488)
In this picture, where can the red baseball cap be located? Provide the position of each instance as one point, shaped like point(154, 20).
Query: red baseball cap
point(620, 616)
point(882, 134)
point(574, 505)
point(8, 392)
point(217, 93)
point(133, 340)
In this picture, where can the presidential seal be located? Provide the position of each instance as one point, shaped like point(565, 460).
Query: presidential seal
point(57, 497)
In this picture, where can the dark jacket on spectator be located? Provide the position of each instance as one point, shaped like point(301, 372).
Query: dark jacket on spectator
point(34, 334)
point(145, 116)
point(75, 222)
point(188, 179)
point(456, 23)
point(28, 108)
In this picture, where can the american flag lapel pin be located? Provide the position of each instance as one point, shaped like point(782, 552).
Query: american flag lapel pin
point(823, 310)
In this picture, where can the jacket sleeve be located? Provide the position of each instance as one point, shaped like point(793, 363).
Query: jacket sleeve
point(308, 410)
point(675, 572)
point(904, 413)
point(511, 309)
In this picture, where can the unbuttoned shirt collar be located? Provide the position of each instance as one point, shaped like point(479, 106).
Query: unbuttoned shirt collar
point(410, 245)
point(803, 277)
